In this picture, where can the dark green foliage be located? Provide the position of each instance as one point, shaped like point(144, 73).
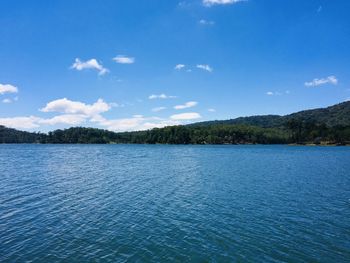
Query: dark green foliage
point(337, 115)
point(330, 125)
point(80, 135)
point(295, 131)
point(8, 135)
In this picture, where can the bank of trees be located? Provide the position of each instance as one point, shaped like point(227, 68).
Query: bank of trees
point(294, 131)
point(325, 125)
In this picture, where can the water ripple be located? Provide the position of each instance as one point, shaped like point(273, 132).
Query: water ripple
point(138, 203)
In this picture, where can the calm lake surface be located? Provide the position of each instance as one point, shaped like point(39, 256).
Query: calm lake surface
point(118, 203)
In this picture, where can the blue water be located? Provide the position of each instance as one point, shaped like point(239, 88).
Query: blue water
point(161, 203)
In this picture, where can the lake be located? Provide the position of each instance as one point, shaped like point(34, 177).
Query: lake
point(163, 203)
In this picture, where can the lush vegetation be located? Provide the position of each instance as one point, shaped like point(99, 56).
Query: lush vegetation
point(320, 126)
point(336, 115)
point(8, 135)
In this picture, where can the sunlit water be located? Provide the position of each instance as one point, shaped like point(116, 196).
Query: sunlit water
point(116, 203)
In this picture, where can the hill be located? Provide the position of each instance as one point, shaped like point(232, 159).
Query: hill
point(319, 126)
point(336, 115)
point(8, 135)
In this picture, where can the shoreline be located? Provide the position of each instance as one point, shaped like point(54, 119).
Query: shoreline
point(193, 144)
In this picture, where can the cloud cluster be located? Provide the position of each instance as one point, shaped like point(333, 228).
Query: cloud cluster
point(317, 82)
point(7, 88)
point(75, 107)
point(78, 113)
point(89, 64)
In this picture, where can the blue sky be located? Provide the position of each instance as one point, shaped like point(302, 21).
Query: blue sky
point(131, 65)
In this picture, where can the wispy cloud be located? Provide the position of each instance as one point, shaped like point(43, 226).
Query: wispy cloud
point(277, 93)
point(160, 96)
point(157, 109)
point(205, 67)
point(211, 110)
point(189, 104)
point(7, 101)
point(7, 88)
point(317, 82)
point(186, 116)
point(122, 59)
point(206, 22)
point(89, 64)
point(179, 66)
point(221, 2)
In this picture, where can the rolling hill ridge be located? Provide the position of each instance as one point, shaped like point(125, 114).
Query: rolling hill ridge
point(329, 125)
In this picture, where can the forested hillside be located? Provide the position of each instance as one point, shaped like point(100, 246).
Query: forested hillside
point(320, 126)
point(336, 115)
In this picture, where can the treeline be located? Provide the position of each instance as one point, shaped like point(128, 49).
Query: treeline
point(8, 135)
point(329, 125)
point(294, 131)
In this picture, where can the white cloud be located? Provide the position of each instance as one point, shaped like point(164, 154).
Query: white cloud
point(76, 107)
point(211, 110)
point(121, 59)
point(71, 119)
point(220, 2)
point(206, 22)
point(270, 93)
point(186, 116)
point(76, 113)
point(20, 122)
point(317, 82)
point(179, 66)
point(32, 122)
point(136, 123)
point(7, 88)
point(158, 109)
point(89, 64)
point(205, 67)
point(6, 101)
point(186, 105)
point(160, 96)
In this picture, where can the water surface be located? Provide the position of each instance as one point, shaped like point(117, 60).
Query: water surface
point(108, 203)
